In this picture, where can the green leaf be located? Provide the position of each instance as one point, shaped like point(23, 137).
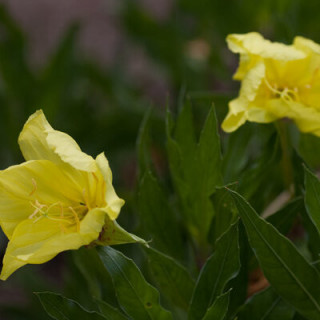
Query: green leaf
point(219, 308)
point(292, 277)
point(60, 308)
point(136, 296)
point(284, 218)
point(195, 169)
point(309, 149)
point(313, 236)
point(239, 284)
point(113, 234)
point(173, 280)
point(92, 269)
point(158, 218)
point(221, 266)
point(237, 148)
point(266, 305)
point(109, 312)
point(184, 130)
point(143, 142)
point(225, 213)
point(312, 197)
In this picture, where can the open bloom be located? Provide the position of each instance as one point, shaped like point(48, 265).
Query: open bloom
point(59, 199)
point(278, 81)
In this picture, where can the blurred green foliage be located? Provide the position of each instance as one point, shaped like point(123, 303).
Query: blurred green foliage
point(102, 108)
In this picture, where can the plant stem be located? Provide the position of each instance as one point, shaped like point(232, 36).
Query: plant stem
point(287, 168)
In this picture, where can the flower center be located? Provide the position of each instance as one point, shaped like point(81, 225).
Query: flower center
point(283, 93)
point(65, 215)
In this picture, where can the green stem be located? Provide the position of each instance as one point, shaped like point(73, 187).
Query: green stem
point(286, 163)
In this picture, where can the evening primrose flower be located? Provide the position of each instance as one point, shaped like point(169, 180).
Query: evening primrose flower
point(277, 81)
point(59, 199)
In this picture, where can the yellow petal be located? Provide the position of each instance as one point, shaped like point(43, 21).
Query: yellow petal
point(252, 82)
point(114, 203)
point(249, 90)
point(38, 242)
point(253, 43)
point(233, 121)
point(246, 63)
point(39, 141)
point(306, 45)
point(255, 114)
point(40, 180)
point(306, 118)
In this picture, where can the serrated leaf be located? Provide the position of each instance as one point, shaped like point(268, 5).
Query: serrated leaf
point(266, 305)
point(196, 171)
point(135, 295)
point(61, 308)
point(173, 280)
point(158, 218)
point(292, 277)
point(221, 266)
point(109, 312)
point(219, 308)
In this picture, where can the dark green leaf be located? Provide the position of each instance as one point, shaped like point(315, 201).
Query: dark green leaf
point(309, 149)
point(196, 171)
point(112, 234)
point(109, 312)
point(220, 267)
point(184, 131)
point(143, 144)
point(313, 236)
point(158, 218)
point(92, 269)
point(225, 213)
point(312, 197)
point(219, 308)
point(293, 278)
point(284, 218)
point(136, 296)
point(60, 308)
point(173, 280)
point(266, 305)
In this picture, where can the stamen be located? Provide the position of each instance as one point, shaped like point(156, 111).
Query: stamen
point(76, 218)
point(271, 87)
point(34, 187)
point(288, 95)
point(34, 213)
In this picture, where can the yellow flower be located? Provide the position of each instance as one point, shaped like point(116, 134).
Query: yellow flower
point(278, 81)
point(59, 199)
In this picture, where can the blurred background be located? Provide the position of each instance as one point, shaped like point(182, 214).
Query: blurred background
point(96, 66)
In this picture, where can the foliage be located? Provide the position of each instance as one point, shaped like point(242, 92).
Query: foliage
point(216, 210)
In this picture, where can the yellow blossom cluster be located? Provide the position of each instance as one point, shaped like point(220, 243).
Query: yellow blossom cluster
point(277, 81)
